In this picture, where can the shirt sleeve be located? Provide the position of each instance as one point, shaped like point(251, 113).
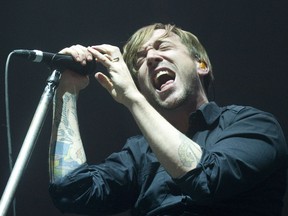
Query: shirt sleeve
point(246, 151)
point(101, 189)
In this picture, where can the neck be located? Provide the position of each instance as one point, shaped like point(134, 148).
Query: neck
point(179, 117)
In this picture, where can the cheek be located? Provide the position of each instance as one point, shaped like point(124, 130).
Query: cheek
point(141, 81)
point(142, 76)
point(143, 87)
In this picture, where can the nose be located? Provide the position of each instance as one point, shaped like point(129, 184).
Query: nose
point(153, 58)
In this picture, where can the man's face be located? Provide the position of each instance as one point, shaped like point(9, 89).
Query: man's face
point(167, 74)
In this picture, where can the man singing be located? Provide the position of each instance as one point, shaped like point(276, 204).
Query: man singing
point(193, 157)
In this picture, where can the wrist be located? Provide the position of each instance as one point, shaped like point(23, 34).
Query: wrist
point(62, 90)
point(135, 99)
point(72, 82)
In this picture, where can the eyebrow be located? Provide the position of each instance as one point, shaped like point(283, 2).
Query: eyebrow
point(159, 40)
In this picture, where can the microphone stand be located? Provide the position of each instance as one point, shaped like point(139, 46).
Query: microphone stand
point(30, 140)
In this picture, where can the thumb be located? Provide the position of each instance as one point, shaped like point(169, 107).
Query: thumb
point(104, 81)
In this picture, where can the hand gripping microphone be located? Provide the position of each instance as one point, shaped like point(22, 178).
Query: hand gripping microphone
point(57, 61)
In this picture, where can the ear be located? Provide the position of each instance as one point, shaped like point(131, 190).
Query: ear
point(202, 68)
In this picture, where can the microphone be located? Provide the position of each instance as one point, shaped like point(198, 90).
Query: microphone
point(57, 61)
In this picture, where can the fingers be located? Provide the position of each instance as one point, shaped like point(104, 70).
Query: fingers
point(103, 58)
point(106, 54)
point(106, 48)
point(79, 53)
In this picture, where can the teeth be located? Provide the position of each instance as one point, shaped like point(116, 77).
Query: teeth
point(164, 73)
point(162, 77)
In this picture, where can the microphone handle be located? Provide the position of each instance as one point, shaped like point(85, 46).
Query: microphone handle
point(57, 61)
point(62, 62)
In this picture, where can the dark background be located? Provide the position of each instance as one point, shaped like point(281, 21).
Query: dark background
point(245, 39)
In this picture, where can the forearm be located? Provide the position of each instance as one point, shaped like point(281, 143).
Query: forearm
point(66, 149)
point(176, 152)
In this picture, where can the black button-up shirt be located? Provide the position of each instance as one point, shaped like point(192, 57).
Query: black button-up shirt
point(242, 172)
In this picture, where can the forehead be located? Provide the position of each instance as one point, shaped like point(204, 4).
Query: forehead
point(159, 34)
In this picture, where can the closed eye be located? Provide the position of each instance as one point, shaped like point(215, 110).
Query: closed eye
point(164, 46)
point(161, 45)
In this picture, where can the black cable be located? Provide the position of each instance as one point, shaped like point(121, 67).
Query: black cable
point(8, 128)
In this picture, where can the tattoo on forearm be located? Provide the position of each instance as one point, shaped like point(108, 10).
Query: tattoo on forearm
point(187, 154)
point(66, 154)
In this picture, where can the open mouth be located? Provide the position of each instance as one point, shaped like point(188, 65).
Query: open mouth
point(162, 78)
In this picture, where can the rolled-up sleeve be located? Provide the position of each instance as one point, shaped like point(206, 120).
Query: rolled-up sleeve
point(97, 189)
point(245, 151)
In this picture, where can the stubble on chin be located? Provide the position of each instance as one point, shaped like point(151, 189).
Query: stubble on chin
point(168, 104)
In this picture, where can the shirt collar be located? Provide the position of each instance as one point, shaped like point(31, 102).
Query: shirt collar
point(204, 116)
point(210, 111)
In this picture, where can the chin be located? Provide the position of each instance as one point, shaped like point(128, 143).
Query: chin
point(170, 103)
point(167, 101)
